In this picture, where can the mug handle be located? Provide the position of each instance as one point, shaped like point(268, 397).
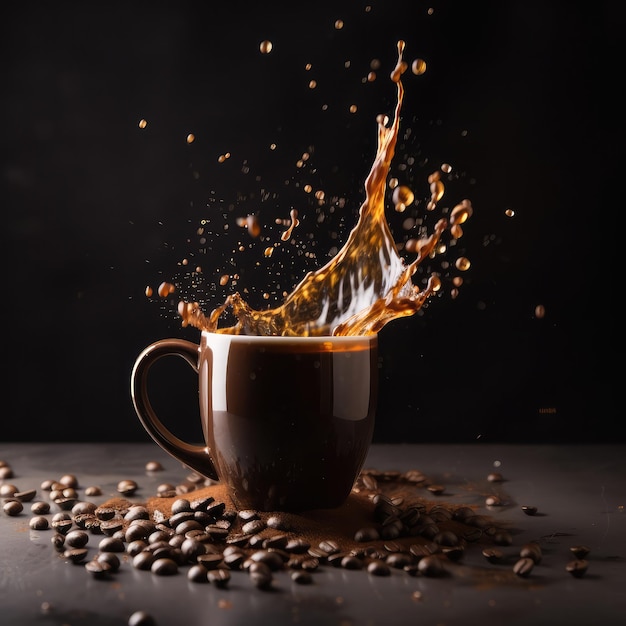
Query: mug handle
point(193, 456)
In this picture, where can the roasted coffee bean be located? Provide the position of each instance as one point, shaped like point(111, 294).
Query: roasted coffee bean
point(260, 575)
point(248, 515)
point(271, 558)
point(493, 555)
point(453, 553)
point(62, 526)
point(431, 566)
point(495, 477)
point(40, 508)
point(462, 513)
point(278, 522)
point(577, 568)
point(7, 490)
point(351, 562)
point(302, 577)
point(201, 504)
point(112, 560)
point(189, 525)
point(92, 491)
point(84, 507)
point(141, 618)
point(139, 529)
point(13, 507)
point(529, 510)
point(25, 496)
point(210, 561)
point(216, 509)
point(219, 577)
point(39, 522)
point(191, 549)
point(532, 551)
point(523, 567)
point(493, 501)
point(378, 567)
point(329, 546)
point(77, 538)
point(111, 544)
point(143, 560)
point(6, 472)
point(137, 512)
point(398, 560)
point(580, 552)
point(253, 526)
point(276, 542)
point(204, 519)
point(436, 489)
point(153, 466)
point(135, 547)
point(111, 526)
point(218, 533)
point(368, 533)
point(197, 574)
point(104, 513)
point(97, 568)
point(127, 487)
point(76, 555)
point(181, 505)
point(164, 566)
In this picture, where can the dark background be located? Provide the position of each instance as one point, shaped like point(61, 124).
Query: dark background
point(516, 96)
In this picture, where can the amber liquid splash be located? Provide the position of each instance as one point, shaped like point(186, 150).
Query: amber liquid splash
point(367, 284)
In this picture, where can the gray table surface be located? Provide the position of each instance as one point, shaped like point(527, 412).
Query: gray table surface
point(579, 491)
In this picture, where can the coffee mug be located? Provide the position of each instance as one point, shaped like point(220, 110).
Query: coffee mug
point(287, 421)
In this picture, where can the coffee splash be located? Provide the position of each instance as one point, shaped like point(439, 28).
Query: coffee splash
point(367, 283)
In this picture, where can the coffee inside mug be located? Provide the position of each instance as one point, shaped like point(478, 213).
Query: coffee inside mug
point(287, 421)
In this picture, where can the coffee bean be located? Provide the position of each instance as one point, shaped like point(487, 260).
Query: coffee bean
point(398, 560)
point(141, 618)
point(378, 567)
point(493, 555)
point(446, 538)
point(580, 552)
point(7, 490)
point(13, 507)
point(219, 577)
point(143, 560)
point(81, 508)
point(69, 480)
point(153, 466)
point(529, 510)
point(253, 526)
point(25, 496)
point(97, 568)
point(58, 542)
point(431, 566)
point(164, 566)
point(503, 538)
point(181, 505)
point(577, 568)
point(301, 577)
point(198, 574)
point(77, 538)
point(76, 555)
point(351, 562)
point(6, 472)
point(260, 575)
point(39, 522)
point(127, 487)
point(436, 489)
point(104, 513)
point(210, 561)
point(93, 491)
point(112, 560)
point(329, 546)
point(278, 522)
point(40, 508)
point(523, 567)
point(111, 544)
point(111, 526)
point(495, 477)
point(532, 551)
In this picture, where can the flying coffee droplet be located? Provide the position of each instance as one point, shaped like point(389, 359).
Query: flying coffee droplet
point(224, 279)
point(143, 123)
point(266, 46)
point(462, 263)
point(149, 291)
point(540, 311)
point(338, 24)
point(509, 212)
point(402, 197)
point(165, 289)
point(418, 67)
point(191, 138)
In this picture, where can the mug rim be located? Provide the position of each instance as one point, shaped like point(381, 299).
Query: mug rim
point(334, 339)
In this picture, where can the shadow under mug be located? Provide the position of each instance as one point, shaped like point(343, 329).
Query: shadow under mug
point(287, 421)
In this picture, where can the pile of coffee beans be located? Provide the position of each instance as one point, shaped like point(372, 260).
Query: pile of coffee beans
point(193, 528)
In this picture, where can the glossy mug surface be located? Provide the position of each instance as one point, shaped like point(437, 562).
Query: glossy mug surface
point(287, 421)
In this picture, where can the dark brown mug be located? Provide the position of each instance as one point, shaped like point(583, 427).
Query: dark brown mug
point(287, 421)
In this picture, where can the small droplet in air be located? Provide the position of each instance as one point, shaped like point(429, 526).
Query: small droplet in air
point(462, 263)
point(191, 138)
point(540, 311)
point(338, 24)
point(266, 46)
point(418, 66)
point(143, 123)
